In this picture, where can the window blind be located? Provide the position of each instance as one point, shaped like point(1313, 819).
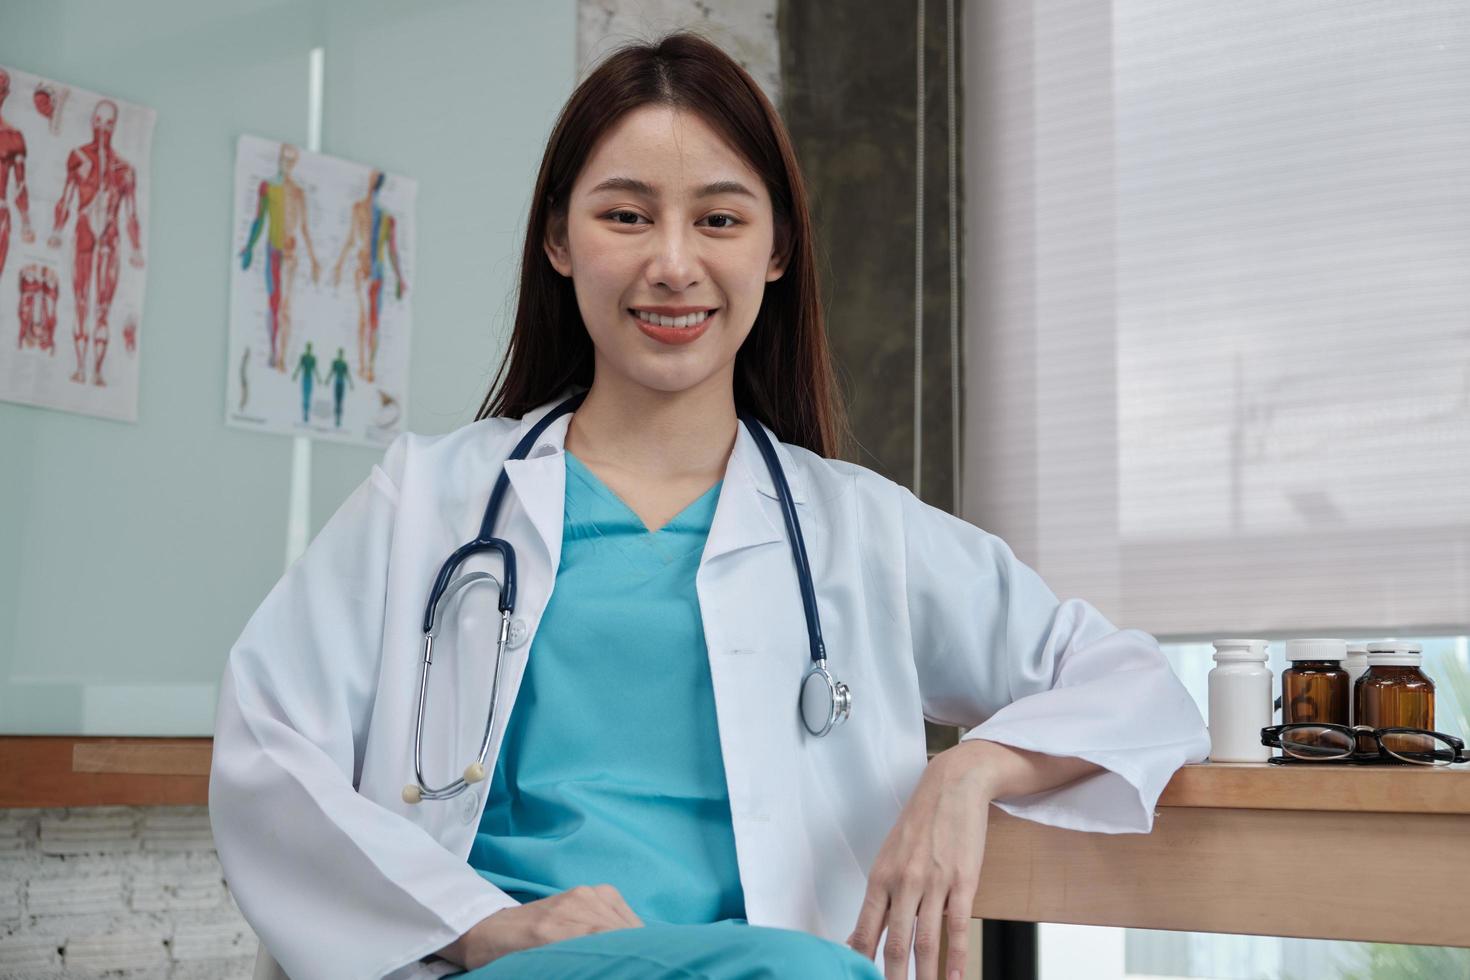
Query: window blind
point(1218, 308)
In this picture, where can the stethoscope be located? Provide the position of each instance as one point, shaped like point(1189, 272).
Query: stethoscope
point(823, 702)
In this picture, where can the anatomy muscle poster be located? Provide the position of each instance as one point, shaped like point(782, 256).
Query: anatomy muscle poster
point(74, 187)
point(321, 263)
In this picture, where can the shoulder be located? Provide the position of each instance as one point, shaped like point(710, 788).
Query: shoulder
point(459, 453)
point(831, 482)
point(883, 509)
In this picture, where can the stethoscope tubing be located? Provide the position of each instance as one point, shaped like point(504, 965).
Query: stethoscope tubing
point(445, 588)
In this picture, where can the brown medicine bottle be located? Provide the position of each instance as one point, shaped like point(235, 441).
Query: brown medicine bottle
point(1394, 692)
point(1315, 687)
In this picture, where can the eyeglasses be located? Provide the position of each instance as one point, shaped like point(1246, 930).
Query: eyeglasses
point(1311, 742)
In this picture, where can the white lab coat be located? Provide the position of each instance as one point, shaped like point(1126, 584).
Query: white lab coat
point(924, 616)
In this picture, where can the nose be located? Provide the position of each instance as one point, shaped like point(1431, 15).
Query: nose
point(675, 262)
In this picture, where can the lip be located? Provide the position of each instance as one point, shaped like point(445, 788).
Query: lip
point(674, 336)
point(674, 310)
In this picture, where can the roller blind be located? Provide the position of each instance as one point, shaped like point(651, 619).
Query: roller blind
point(1218, 308)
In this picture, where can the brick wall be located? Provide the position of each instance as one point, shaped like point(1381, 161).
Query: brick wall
point(117, 892)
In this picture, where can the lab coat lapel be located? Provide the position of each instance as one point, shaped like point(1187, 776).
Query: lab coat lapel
point(755, 635)
point(748, 512)
point(532, 509)
point(539, 480)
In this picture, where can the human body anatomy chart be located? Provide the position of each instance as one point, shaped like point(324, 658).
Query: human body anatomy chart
point(320, 316)
point(74, 189)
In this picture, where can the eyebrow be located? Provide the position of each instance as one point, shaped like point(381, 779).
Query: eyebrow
point(648, 190)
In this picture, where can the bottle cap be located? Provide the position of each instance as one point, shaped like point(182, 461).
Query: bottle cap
point(1357, 649)
point(1233, 650)
point(1394, 653)
point(1316, 649)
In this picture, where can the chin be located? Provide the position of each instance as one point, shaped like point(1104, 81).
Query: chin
point(674, 379)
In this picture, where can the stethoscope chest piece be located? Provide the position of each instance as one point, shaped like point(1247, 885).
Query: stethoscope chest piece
point(825, 701)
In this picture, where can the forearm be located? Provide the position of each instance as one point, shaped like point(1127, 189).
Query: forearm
point(454, 952)
point(472, 950)
point(1003, 771)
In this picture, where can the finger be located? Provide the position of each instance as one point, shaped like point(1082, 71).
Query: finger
point(619, 904)
point(902, 911)
point(869, 926)
point(957, 914)
point(926, 933)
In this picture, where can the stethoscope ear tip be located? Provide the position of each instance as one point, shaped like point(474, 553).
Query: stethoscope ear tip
point(474, 772)
point(412, 794)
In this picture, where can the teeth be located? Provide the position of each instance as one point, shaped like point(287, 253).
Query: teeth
point(672, 321)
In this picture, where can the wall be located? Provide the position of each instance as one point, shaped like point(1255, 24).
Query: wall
point(134, 553)
point(138, 891)
point(131, 555)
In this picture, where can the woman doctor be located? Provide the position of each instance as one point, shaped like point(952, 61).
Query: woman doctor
point(654, 806)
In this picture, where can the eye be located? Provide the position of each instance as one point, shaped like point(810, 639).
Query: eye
point(731, 220)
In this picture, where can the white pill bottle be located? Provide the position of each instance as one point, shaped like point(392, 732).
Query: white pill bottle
point(1240, 701)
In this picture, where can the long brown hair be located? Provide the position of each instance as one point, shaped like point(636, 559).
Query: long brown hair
point(783, 370)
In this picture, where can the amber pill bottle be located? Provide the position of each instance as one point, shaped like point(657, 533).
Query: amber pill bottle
point(1315, 687)
point(1395, 692)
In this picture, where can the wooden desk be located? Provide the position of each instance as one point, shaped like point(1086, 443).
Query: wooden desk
point(65, 770)
point(1231, 843)
point(1333, 852)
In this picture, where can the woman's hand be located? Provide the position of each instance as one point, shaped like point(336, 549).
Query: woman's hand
point(927, 871)
point(575, 912)
point(928, 868)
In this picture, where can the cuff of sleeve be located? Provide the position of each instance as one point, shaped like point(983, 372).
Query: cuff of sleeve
point(454, 927)
point(1118, 800)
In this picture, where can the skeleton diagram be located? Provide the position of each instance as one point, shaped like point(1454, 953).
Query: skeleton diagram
point(12, 161)
point(282, 203)
point(373, 231)
point(100, 183)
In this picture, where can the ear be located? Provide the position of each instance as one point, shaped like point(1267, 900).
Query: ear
point(556, 246)
point(780, 253)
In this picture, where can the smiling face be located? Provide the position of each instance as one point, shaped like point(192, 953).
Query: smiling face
point(665, 214)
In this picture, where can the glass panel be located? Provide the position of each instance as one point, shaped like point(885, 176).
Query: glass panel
point(1099, 953)
point(1102, 953)
point(132, 555)
point(1446, 662)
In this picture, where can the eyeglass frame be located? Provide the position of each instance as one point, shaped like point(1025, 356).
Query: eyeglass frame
point(1271, 737)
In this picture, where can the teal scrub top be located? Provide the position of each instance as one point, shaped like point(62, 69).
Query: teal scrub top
point(610, 770)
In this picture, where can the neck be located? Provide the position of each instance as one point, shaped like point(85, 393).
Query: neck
point(656, 435)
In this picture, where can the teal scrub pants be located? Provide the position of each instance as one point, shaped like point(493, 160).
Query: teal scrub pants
point(729, 949)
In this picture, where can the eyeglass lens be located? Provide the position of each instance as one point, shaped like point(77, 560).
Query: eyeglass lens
point(1426, 750)
point(1316, 743)
point(1327, 743)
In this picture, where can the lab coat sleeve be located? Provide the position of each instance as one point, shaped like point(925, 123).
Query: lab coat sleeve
point(335, 885)
point(998, 654)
